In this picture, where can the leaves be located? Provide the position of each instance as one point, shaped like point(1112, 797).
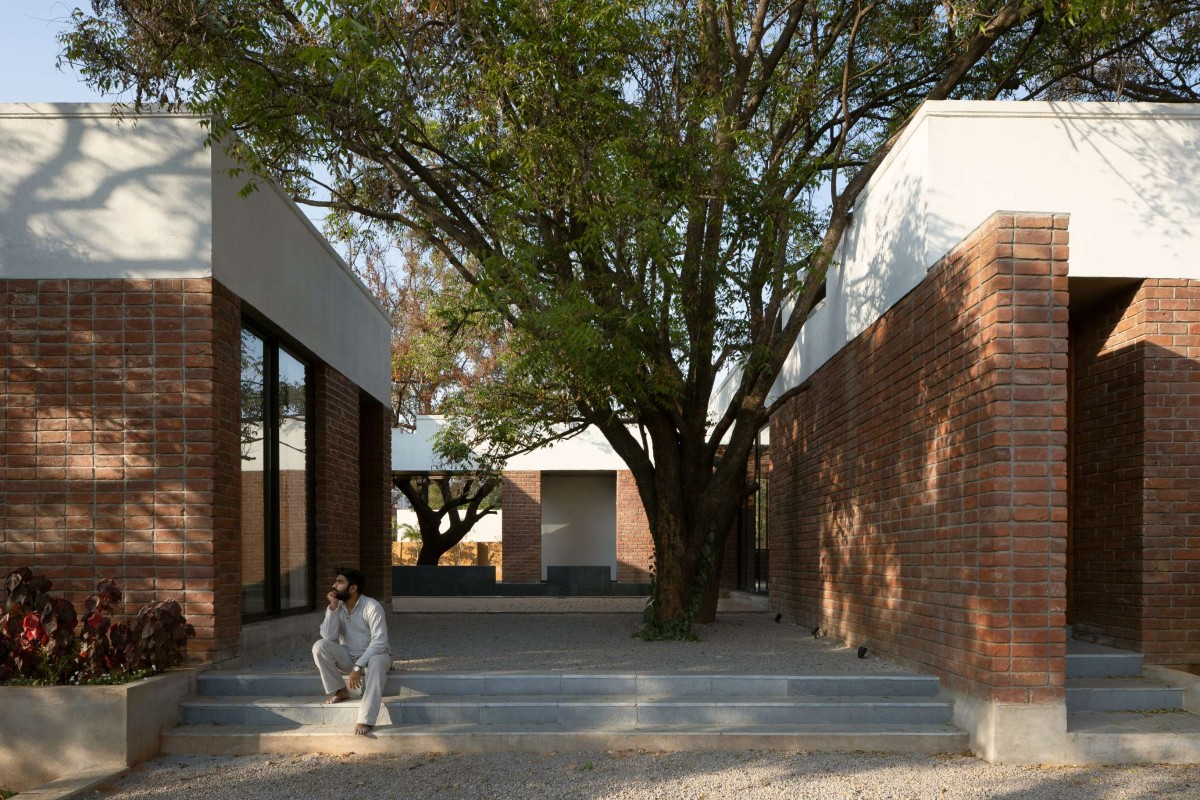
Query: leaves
point(639, 198)
point(38, 642)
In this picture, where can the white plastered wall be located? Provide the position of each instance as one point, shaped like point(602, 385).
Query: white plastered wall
point(579, 522)
point(1127, 173)
point(270, 255)
point(85, 196)
point(589, 451)
point(88, 196)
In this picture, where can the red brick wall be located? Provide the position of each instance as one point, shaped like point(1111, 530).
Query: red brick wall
point(116, 407)
point(918, 497)
point(336, 480)
point(521, 527)
point(1107, 475)
point(1136, 556)
point(635, 546)
point(226, 552)
point(375, 493)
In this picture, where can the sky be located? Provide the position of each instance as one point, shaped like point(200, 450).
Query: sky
point(28, 50)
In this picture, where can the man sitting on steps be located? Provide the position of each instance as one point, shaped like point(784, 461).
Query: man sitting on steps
point(354, 639)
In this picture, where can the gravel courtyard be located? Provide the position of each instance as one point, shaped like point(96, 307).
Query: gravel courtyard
point(665, 776)
point(742, 642)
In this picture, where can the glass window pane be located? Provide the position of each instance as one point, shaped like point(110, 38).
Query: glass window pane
point(292, 421)
point(253, 452)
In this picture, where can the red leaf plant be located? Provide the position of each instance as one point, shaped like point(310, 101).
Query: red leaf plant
point(39, 643)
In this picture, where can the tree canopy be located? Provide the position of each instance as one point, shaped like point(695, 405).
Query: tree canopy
point(650, 193)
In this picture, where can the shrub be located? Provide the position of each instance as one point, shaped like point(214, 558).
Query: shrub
point(39, 643)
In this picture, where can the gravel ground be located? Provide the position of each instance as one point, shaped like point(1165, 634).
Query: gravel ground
point(750, 643)
point(686, 776)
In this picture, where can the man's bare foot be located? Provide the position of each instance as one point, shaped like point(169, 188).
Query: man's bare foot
point(338, 696)
point(362, 729)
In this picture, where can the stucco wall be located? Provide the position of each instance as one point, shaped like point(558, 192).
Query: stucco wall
point(579, 522)
point(86, 196)
point(1128, 173)
point(83, 196)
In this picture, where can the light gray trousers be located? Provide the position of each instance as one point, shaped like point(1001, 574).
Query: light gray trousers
point(333, 660)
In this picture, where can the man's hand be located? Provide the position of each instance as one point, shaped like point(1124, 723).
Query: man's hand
point(354, 679)
point(333, 600)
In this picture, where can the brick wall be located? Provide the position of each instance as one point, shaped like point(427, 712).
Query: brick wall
point(635, 546)
point(1136, 556)
point(336, 478)
point(226, 551)
point(1107, 475)
point(918, 490)
point(116, 408)
point(375, 495)
point(521, 527)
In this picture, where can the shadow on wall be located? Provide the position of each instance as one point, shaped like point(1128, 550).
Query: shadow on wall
point(89, 197)
point(1144, 156)
point(891, 481)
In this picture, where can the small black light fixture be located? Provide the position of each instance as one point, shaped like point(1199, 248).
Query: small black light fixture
point(779, 616)
point(862, 651)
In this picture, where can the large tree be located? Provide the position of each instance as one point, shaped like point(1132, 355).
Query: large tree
point(649, 191)
point(441, 348)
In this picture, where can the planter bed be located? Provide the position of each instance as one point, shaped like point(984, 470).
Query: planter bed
point(51, 732)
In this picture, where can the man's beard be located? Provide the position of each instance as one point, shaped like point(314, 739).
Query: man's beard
point(343, 595)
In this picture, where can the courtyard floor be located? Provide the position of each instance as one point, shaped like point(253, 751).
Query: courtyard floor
point(746, 642)
point(630, 775)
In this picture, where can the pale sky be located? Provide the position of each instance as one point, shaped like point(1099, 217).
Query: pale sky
point(28, 50)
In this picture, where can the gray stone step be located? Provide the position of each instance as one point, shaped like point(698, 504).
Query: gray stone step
point(1087, 660)
point(1085, 695)
point(248, 740)
point(1133, 737)
point(596, 711)
point(400, 684)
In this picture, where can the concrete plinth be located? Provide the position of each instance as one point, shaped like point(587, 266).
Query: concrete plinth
point(51, 732)
point(1014, 734)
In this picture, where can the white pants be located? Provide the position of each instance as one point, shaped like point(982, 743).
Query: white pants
point(333, 659)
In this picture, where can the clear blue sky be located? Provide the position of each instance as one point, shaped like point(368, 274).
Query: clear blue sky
point(28, 50)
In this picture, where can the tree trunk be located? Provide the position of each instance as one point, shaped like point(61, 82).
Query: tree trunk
point(431, 552)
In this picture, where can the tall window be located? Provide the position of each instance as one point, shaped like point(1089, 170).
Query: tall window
point(277, 542)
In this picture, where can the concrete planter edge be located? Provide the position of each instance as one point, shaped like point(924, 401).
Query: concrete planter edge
point(51, 732)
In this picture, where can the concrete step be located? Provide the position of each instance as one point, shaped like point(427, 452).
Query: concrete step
point(1134, 737)
point(248, 740)
point(1085, 695)
point(1087, 660)
point(596, 711)
point(400, 684)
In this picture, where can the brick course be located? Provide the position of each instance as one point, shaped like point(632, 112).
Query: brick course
point(120, 457)
point(635, 546)
point(918, 497)
point(1136, 558)
point(521, 499)
point(117, 415)
point(336, 479)
point(375, 493)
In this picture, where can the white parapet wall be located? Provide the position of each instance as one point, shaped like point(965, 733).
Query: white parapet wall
point(1127, 173)
point(412, 451)
point(86, 195)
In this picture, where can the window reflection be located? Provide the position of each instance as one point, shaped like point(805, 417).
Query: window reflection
point(253, 452)
point(276, 545)
point(293, 483)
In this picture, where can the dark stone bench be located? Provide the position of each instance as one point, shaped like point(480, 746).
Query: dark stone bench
point(443, 581)
point(481, 582)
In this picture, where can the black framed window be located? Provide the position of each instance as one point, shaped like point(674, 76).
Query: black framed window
point(277, 530)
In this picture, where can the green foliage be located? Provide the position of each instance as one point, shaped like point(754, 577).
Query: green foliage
point(40, 646)
point(642, 196)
